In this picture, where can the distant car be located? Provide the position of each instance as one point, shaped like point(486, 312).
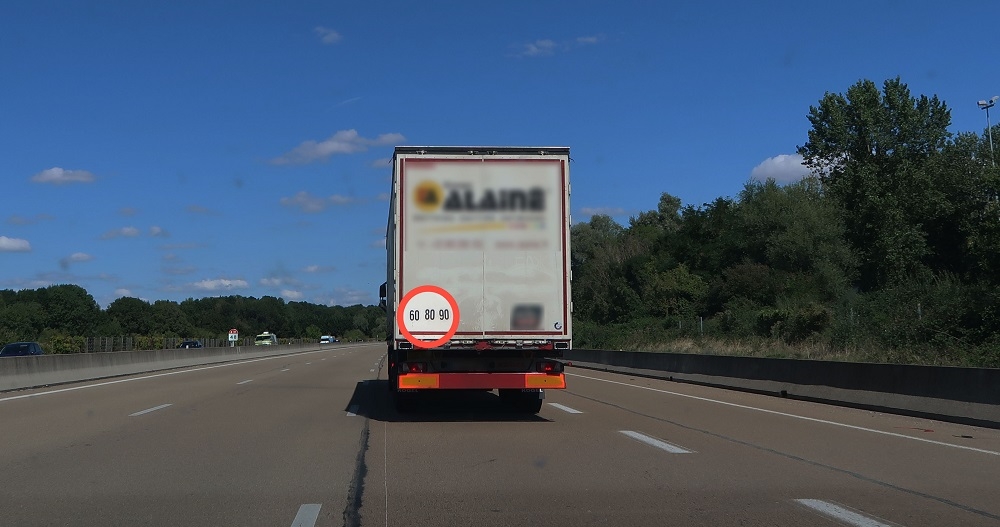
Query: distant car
point(21, 349)
point(187, 344)
point(326, 339)
point(265, 339)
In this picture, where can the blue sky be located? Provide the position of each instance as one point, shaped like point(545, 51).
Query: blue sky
point(168, 150)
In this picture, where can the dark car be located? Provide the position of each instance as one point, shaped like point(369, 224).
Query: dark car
point(190, 344)
point(21, 349)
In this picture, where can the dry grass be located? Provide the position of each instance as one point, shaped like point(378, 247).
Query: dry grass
point(779, 349)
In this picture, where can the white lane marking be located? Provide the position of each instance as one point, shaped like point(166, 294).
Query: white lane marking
point(566, 409)
point(244, 382)
point(307, 515)
point(352, 411)
point(286, 369)
point(324, 358)
point(372, 369)
point(178, 372)
point(652, 441)
point(308, 363)
point(153, 409)
point(841, 514)
point(795, 416)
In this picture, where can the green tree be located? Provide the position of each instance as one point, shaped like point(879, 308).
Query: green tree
point(70, 308)
point(132, 314)
point(167, 318)
point(871, 149)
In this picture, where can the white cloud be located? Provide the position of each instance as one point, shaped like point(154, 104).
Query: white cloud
point(345, 102)
point(337, 199)
point(784, 168)
point(23, 283)
point(24, 220)
point(198, 209)
point(74, 258)
point(382, 162)
point(289, 294)
point(546, 47)
point(128, 211)
point(345, 297)
point(272, 281)
point(177, 270)
point(158, 232)
point(610, 211)
point(342, 142)
point(14, 245)
point(59, 176)
point(180, 246)
point(220, 284)
point(378, 244)
point(318, 269)
point(305, 201)
point(121, 291)
point(309, 203)
point(538, 48)
point(327, 35)
point(124, 232)
point(383, 196)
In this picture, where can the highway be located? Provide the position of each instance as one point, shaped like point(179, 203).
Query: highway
point(311, 439)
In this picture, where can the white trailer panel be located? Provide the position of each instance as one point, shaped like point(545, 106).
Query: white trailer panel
point(492, 229)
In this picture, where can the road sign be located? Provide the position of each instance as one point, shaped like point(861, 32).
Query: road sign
point(234, 335)
point(427, 311)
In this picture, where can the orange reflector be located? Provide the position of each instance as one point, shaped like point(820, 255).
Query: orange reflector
point(545, 381)
point(419, 380)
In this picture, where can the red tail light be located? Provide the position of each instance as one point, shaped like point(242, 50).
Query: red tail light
point(413, 367)
point(550, 366)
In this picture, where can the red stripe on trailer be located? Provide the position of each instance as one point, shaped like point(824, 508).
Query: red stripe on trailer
point(482, 381)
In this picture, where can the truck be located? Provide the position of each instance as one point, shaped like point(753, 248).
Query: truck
point(477, 289)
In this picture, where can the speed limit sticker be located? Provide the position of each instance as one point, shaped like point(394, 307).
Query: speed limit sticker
point(427, 310)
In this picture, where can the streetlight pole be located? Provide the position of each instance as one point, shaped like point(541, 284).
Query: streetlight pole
point(986, 105)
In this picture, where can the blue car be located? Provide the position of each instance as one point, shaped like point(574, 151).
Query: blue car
point(21, 349)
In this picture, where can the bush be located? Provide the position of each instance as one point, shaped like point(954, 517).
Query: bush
point(59, 343)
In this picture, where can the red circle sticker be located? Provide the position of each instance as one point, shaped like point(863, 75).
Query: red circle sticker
point(427, 310)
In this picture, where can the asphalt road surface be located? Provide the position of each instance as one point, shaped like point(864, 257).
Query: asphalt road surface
point(311, 440)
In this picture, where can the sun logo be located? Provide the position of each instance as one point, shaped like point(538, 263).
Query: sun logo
point(428, 196)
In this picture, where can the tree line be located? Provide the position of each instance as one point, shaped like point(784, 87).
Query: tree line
point(889, 250)
point(60, 316)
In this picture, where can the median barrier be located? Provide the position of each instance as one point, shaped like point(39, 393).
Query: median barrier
point(44, 370)
point(956, 394)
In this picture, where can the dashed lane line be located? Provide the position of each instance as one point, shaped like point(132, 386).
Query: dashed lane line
point(565, 408)
point(307, 515)
point(147, 410)
point(841, 514)
point(794, 416)
point(654, 442)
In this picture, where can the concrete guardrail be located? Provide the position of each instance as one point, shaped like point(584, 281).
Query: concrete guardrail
point(44, 370)
point(962, 395)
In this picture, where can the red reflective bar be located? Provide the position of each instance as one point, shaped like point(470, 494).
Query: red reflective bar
point(482, 381)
